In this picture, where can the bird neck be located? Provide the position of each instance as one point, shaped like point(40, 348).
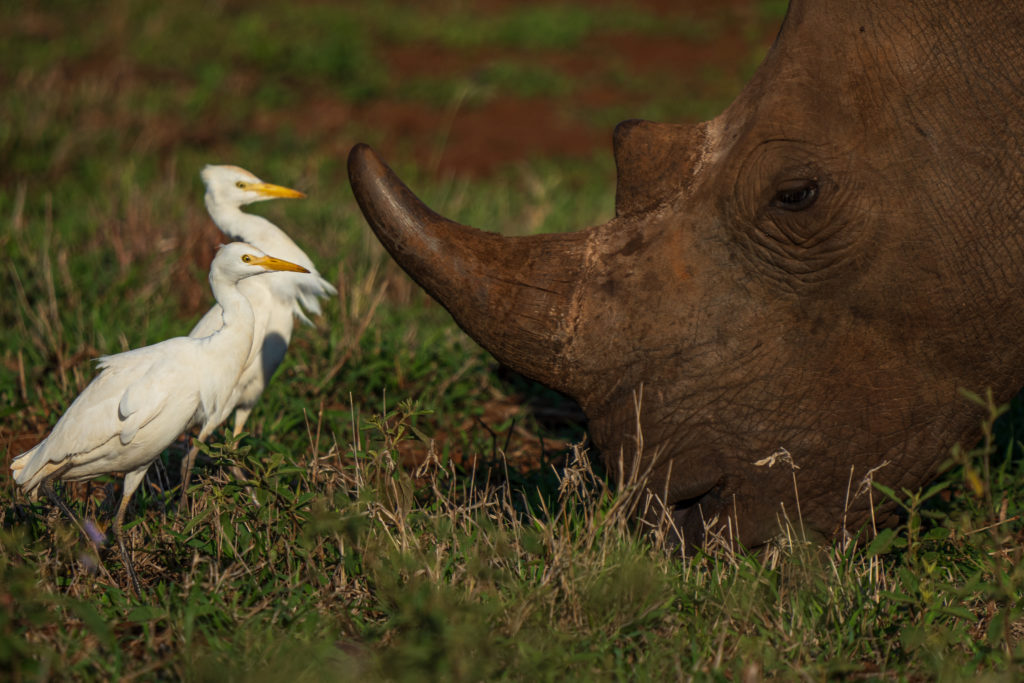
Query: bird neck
point(224, 215)
point(245, 227)
point(238, 316)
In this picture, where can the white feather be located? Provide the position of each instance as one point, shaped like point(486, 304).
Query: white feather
point(277, 301)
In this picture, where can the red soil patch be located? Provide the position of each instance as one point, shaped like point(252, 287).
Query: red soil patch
point(475, 140)
point(478, 138)
point(448, 137)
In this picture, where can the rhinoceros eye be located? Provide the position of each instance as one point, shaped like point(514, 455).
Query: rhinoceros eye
point(795, 195)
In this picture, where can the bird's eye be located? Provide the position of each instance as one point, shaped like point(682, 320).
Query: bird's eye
point(795, 195)
point(247, 259)
point(240, 184)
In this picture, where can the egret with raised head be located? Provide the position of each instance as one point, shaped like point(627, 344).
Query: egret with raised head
point(277, 301)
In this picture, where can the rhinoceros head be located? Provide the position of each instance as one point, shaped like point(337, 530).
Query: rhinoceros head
point(818, 269)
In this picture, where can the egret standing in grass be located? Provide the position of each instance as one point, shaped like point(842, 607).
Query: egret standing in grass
point(143, 399)
point(276, 301)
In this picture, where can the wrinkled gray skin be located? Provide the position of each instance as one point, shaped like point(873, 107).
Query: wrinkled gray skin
point(819, 269)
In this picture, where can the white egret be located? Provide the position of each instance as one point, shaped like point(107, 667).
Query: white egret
point(143, 399)
point(276, 301)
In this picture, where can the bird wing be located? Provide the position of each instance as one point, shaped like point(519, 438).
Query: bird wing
point(209, 323)
point(88, 423)
point(132, 388)
point(145, 398)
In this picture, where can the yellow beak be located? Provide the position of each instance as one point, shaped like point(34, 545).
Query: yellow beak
point(271, 263)
point(268, 190)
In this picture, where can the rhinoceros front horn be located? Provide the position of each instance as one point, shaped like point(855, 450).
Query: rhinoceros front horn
point(513, 295)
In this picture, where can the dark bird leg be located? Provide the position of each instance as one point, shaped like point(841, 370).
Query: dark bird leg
point(241, 415)
point(131, 482)
point(47, 489)
point(186, 476)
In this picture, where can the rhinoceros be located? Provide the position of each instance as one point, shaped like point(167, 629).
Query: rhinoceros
point(814, 273)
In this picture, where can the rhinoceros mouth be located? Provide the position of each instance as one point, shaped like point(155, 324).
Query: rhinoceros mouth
point(694, 519)
point(686, 510)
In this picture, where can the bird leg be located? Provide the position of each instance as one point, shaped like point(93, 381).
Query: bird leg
point(190, 460)
point(125, 557)
point(186, 476)
point(47, 489)
point(119, 532)
point(241, 475)
point(241, 414)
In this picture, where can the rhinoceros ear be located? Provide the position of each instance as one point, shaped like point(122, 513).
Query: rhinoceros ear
point(513, 295)
point(654, 162)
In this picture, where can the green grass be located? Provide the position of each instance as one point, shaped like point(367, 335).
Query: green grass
point(355, 567)
point(504, 553)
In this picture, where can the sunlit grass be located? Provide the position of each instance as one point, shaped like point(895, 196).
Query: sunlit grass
point(371, 570)
point(422, 512)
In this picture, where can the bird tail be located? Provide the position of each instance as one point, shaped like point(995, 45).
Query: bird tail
point(19, 462)
point(308, 297)
point(21, 472)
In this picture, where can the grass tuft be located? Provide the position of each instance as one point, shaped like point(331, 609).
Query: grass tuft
point(410, 509)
